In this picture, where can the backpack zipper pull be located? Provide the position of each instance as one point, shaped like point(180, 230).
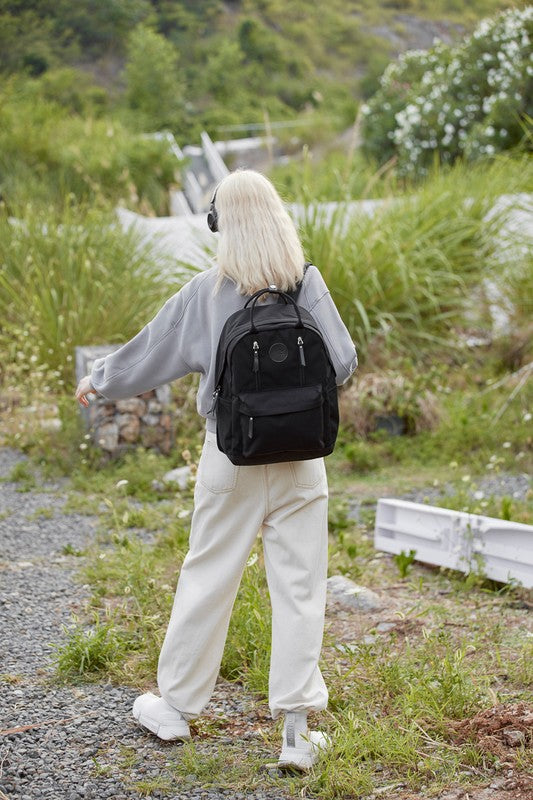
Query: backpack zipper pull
point(256, 356)
point(301, 351)
point(215, 398)
point(250, 427)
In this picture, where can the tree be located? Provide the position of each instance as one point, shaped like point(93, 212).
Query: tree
point(152, 78)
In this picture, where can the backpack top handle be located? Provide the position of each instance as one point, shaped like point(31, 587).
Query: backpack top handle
point(286, 297)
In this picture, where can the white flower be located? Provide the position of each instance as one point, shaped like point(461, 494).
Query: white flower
point(506, 445)
point(479, 495)
point(527, 416)
point(252, 560)
point(449, 129)
point(465, 478)
point(120, 483)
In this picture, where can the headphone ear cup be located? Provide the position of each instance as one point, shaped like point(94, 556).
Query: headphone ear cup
point(212, 219)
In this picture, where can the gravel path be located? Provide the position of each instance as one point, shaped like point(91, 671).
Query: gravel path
point(504, 484)
point(82, 742)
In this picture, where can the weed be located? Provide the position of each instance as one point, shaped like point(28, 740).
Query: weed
point(70, 550)
point(41, 513)
point(404, 561)
point(89, 651)
point(20, 473)
point(361, 457)
point(10, 678)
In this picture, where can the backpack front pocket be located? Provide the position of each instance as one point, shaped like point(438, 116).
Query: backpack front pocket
point(281, 421)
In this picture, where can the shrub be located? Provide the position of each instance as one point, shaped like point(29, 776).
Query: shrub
point(466, 100)
point(373, 395)
point(46, 153)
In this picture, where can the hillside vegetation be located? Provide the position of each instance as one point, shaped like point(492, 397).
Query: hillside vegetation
point(212, 64)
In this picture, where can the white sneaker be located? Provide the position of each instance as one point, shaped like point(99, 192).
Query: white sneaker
point(301, 750)
point(159, 717)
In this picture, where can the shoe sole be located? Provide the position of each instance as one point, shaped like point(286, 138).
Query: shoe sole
point(292, 767)
point(297, 760)
point(169, 733)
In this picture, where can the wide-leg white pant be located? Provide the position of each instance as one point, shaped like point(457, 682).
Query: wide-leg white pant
point(288, 502)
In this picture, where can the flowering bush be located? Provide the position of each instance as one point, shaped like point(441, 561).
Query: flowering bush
point(471, 99)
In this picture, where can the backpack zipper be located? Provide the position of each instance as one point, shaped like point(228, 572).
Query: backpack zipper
point(300, 343)
point(215, 398)
point(256, 363)
point(301, 349)
point(250, 427)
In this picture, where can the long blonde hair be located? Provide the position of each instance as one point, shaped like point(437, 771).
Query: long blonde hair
point(258, 243)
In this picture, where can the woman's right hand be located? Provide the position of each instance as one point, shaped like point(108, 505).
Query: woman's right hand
point(84, 388)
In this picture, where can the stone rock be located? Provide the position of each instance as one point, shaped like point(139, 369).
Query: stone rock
point(133, 405)
point(350, 596)
point(150, 419)
point(385, 627)
point(163, 394)
point(125, 419)
point(107, 436)
point(180, 475)
point(99, 411)
point(165, 420)
point(513, 738)
point(53, 424)
point(152, 437)
point(154, 407)
point(165, 445)
point(129, 426)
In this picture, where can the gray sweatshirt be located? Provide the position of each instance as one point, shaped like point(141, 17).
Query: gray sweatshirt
point(183, 338)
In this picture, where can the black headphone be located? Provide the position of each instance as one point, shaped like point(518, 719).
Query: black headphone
point(212, 216)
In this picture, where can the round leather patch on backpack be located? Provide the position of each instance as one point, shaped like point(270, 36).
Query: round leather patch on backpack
point(278, 352)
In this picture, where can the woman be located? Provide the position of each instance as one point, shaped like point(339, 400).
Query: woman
point(286, 502)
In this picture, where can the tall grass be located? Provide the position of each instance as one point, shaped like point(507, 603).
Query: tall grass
point(74, 278)
point(403, 277)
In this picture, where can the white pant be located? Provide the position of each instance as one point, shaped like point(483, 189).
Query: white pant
point(232, 504)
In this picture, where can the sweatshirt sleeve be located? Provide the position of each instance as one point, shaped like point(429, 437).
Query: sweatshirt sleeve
point(161, 352)
point(338, 340)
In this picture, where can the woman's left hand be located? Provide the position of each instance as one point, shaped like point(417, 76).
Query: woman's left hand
point(84, 388)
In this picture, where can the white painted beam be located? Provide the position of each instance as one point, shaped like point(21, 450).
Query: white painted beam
point(499, 549)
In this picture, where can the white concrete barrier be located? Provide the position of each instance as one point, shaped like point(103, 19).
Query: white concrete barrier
point(499, 549)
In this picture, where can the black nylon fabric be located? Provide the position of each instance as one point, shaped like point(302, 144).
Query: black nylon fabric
point(276, 394)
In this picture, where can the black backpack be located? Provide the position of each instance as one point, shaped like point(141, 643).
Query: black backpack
point(276, 394)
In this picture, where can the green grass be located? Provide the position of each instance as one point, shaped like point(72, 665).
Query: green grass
point(403, 278)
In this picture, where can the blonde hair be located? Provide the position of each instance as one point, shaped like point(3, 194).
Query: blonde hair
point(258, 243)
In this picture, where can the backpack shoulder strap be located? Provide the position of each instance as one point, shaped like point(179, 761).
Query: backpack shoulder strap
point(296, 291)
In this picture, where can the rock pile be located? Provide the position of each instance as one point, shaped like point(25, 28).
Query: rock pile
point(118, 425)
